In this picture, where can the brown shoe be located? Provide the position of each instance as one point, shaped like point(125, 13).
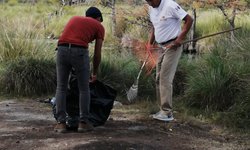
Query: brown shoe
point(60, 128)
point(84, 127)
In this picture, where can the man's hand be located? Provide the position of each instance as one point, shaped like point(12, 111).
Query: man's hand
point(174, 45)
point(152, 47)
point(187, 25)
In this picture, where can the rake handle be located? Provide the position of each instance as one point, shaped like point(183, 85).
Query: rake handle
point(206, 36)
point(144, 63)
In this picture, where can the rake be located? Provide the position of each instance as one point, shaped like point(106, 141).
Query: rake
point(133, 91)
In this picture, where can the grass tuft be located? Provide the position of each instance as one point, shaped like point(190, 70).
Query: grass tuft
point(29, 77)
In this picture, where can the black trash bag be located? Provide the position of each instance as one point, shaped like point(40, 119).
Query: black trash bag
point(102, 100)
point(101, 103)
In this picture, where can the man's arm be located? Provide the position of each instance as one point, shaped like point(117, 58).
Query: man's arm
point(97, 57)
point(188, 20)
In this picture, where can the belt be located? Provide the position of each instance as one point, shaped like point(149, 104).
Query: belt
point(164, 43)
point(69, 45)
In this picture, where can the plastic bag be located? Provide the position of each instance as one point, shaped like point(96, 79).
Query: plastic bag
point(101, 103)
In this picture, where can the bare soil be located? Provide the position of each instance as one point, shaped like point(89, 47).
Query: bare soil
point(29, 125)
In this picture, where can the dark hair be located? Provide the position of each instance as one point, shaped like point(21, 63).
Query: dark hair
point(94, 12)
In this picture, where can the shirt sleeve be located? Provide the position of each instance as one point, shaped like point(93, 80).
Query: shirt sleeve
point(149, 12)
point(101, 33)
point(177, 11)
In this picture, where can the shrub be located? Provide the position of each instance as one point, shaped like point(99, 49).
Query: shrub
point(28, 77)
point(238, 115)
point(12, 2)
point(21, 38)
point(215, 83)
point(219, 84)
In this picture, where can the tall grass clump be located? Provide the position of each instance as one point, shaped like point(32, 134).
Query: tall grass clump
point(238, 114)
point(26, 57)
point(213, 85)
point(21, 38)
point(12, 2)
point(27, 76)
point(220, 82)
point(210, 21)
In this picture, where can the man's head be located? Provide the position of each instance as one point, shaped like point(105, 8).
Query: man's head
point(95, 13)
point(154, 3)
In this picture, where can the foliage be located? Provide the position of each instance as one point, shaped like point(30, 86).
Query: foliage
point(212, 85)
point(12, 2)
point(214, 22)
point(28, 77)
point(240, 4)
point(119, 69)
point(238, 115)
point(220, 82)
point(138, 25)
point(22, 39)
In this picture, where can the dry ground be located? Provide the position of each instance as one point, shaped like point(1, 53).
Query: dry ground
point(29, 125)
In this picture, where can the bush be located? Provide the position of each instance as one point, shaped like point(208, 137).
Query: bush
point(29, 77)
point(21, 38)
point(12, 2)
point(238, 115)
point(219, 84)
point(212, 85)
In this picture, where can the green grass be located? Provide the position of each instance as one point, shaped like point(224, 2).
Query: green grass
point(22, 38)
point(28, 77)
point(218, 85)
point(210, 21)
point(120, 69)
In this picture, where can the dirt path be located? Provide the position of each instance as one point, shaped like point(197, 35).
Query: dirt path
point(29, 125)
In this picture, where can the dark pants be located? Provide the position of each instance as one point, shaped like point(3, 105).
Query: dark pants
point(68, 58)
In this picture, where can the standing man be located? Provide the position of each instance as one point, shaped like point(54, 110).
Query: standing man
point(73, 53)
point(166, 17)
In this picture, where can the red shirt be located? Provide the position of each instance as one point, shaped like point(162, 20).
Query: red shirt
point(81, 31)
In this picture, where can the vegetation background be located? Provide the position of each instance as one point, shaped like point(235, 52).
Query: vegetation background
point(212, 82)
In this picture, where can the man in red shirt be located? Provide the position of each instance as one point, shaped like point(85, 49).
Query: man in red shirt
point(73, 53)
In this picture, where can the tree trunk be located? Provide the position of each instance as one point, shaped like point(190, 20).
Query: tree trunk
point(230, 20)
point(232, 24)
point(192, 45)
point(113, 17)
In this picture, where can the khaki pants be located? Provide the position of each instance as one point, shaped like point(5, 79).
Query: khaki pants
point(165, 71)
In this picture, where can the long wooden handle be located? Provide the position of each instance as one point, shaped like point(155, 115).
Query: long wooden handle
point(144, 63)
point(206, 36)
